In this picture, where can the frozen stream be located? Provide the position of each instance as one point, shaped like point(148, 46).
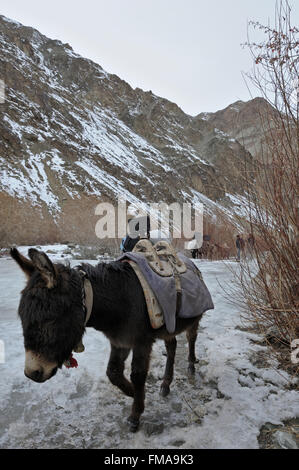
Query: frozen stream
point(224, 406)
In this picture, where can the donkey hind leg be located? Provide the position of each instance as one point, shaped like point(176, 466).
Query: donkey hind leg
point(115, 370)
point(140, 365)
point(168, 374)
point(191, 334)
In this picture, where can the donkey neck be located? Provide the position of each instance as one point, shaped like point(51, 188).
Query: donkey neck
point(107, 281)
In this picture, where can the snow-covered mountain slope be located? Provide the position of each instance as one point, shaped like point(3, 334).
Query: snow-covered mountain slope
point(72, 135)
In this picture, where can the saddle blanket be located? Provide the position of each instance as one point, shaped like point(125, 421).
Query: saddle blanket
point(195, 298)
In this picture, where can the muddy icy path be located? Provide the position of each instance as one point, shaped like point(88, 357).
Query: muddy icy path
point(232, 395)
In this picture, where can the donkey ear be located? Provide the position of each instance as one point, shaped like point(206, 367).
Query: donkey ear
point(25, 264)
point(44, 265)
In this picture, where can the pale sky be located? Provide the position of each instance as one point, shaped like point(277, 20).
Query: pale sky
point(188, 51)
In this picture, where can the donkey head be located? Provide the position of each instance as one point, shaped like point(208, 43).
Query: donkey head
point(51, 313)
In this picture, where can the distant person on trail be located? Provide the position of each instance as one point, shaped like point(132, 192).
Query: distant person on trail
point(238, 245)
point(128, 242)
point(242, 242)
point(250, 240)
point(250, 243)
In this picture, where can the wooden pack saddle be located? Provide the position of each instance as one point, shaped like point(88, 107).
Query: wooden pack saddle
point(161, 257)
point(164, 261)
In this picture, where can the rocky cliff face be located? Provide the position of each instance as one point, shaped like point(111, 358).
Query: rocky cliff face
point(247, 122)
point(72, 135)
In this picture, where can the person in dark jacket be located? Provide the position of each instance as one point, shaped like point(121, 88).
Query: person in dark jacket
point(138, 224)
point(238, 245)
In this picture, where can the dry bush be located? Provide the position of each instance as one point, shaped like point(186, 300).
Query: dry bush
point(270, 284)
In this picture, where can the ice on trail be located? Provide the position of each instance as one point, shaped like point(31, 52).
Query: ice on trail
point(224, 406)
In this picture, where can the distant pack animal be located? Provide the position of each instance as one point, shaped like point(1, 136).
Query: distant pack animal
point(204, 249)
point(53, 316)
point(211, 251)
point(222, 251)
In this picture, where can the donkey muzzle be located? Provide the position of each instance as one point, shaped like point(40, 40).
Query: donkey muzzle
point(37, 368)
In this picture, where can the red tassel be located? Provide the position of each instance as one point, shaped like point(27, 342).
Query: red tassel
point(71, 362)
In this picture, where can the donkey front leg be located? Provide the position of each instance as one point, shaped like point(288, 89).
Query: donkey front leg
point(115, 370)
point(168, 374)
point(140, 365)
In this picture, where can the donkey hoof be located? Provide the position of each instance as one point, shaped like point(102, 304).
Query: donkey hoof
point(193, 360)
point(134, 424)
point(164, 390)
point(191, 368)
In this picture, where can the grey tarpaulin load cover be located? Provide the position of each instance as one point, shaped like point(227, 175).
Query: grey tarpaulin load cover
point(196, 298)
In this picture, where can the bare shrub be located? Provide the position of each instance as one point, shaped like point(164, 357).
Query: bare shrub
point(270, 283)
